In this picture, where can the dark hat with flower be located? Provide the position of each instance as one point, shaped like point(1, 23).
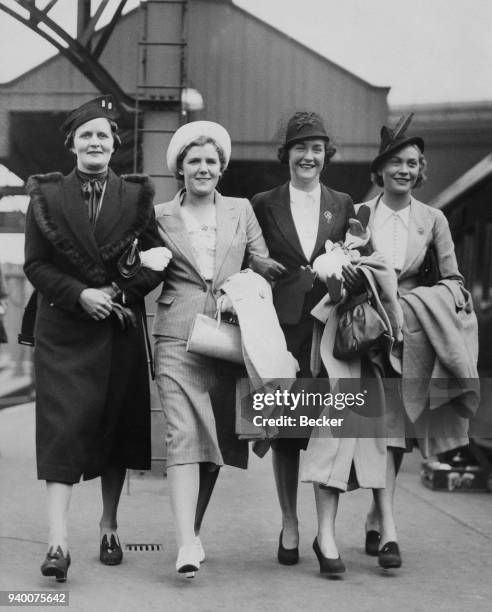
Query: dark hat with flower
point(393, 140)
point(303, 125)
point(93, 109)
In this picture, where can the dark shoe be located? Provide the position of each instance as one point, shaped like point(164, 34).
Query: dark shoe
point(287, 556)
point(56, 564)
point(372, 542)
point(327, 565)
point(389, 556)
point(110, 553)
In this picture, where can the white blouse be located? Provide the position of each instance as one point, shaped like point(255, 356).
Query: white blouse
point(390, 234)
point(203, 240)
point(304, 207)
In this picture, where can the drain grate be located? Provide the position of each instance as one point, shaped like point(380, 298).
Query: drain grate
point(143, 547)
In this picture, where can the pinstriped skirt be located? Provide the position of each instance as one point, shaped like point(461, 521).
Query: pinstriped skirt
point(197, 395)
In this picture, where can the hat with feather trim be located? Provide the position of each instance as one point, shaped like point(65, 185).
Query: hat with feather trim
point(189, 132)
point(394, 139)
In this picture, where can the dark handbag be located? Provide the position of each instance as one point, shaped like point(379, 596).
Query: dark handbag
point(429, 274)
point(26, 335)
point(359, 327)
point(129, 262)
point(215, 338)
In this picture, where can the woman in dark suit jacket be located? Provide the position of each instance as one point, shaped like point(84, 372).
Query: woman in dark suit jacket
point(209, 236)
point(297, 219)
point(92, 392)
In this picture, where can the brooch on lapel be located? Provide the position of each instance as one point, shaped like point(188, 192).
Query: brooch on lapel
point(328, 216)
point(420, 230)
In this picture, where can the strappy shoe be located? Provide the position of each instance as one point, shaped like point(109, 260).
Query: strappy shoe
point(110, 552)
point(56, 564)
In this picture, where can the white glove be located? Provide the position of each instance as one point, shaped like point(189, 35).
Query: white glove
point(156, 258)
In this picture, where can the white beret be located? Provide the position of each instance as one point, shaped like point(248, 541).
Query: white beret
point(191, 131)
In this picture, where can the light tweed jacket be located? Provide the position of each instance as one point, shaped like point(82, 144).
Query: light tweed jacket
point(185, 292)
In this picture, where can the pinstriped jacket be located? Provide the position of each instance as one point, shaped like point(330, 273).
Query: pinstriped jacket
point(185, 292)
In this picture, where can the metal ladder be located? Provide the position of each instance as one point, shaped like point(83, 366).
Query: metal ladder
point(152, 92)
point(161, 79)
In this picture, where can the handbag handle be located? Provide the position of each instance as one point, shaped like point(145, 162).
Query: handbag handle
point(218, 317)
point(231, 319)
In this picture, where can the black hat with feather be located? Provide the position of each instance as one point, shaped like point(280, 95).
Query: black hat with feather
point(393, 140)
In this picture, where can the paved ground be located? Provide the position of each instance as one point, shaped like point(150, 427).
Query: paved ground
point(446, 541)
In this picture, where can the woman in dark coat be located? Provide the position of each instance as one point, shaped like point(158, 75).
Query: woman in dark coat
point(92, 397)
point(296, 219)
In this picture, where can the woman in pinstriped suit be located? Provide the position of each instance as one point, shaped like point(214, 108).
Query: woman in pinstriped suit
point(209, 236)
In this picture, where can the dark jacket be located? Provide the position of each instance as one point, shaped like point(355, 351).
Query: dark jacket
point(92, 395)
point(295, 295)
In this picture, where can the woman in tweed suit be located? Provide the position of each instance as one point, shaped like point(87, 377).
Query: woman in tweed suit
point(209, 236)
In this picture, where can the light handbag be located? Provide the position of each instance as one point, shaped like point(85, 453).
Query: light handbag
point(215, 338)
point(359, 327)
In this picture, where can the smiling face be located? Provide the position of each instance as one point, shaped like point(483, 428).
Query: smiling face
point(93, 144)
point(201, 169)
point(401, 171)
point(306, 160)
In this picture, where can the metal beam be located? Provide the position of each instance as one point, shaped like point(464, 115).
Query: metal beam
point(86, 32)
point(83, 15)
point(108, 30)
point(76, 53)
point(49, 6)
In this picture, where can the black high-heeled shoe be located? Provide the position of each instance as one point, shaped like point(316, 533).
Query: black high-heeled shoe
point(327, 565)
point(56, 564)
point(287, 556)
point(373, 538)
point(389, 556)
point(110, 552)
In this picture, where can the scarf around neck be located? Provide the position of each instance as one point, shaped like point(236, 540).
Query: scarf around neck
point(92, 187)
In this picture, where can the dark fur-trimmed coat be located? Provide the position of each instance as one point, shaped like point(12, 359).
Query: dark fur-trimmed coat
point(92, 391)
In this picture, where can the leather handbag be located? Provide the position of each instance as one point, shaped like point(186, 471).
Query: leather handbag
point(26, 335)
point(129, 262)
point(359, 327)
point(216, 338)
point(429, 274)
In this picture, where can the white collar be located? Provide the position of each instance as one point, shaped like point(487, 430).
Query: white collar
point(384, 213)
point(297, 195)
